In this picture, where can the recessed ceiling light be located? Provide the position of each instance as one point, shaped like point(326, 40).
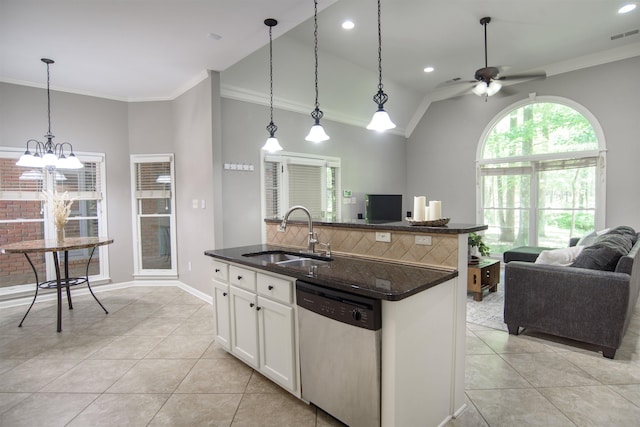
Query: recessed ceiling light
point(348, 24)
point(627, 8)
point(429, 69)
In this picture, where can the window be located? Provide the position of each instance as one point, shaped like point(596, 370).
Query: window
point(23, 216)
point(298, 179)
point(152, 181)
point(541, 170)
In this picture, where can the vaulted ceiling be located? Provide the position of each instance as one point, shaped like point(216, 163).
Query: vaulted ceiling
point(140, 50)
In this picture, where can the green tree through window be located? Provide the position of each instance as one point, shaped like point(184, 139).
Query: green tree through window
point(539, 177)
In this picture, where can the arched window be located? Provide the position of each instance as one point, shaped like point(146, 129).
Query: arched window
point(541, 172)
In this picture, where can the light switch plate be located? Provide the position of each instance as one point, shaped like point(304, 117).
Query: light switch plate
point(194, 203)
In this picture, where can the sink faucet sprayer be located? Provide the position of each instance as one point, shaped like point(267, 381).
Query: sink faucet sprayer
point(313, 238)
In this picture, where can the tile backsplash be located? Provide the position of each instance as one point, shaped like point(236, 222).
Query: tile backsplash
point(443, 251)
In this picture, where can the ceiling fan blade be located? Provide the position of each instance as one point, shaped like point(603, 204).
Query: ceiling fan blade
point(455, 82)
point(524, 76)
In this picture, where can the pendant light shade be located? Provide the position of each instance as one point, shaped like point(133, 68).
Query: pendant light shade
point(381, 120)
point(47, 154)
point(272, 145)
point(317, 133)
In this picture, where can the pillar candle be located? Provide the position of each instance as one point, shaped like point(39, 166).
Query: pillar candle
point(435, 209)
point(419, 208)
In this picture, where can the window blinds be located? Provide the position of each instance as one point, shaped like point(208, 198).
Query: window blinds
point(153, 180)
point(305, 188)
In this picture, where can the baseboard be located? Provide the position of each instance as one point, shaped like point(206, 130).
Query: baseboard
point(110, 287)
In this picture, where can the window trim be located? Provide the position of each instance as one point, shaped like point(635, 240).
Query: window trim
point(138, 271)
point(302, 159)
point(600, 153)
point(50, 233)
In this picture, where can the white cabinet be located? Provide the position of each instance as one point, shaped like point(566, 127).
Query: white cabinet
point(255, 316)
point(244, 326)
point(277, 351)
point(221, 321)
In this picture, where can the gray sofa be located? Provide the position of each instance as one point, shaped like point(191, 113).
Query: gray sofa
point(592, 305)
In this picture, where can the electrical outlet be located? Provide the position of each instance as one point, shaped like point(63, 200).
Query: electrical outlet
point(423, 240)
point(383, 237)
point(189, 265)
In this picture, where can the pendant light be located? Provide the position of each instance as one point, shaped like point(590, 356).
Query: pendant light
point(317, 133)
point(47, 154)
point(272, 145)
point(380, 120)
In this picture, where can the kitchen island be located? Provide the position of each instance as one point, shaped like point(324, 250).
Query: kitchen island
point(423, 307)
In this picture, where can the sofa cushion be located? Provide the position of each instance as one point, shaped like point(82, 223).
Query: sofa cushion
point(607, 249)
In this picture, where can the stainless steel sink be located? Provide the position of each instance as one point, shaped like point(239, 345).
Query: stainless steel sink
point(272, 257)
point(304, 262)
point(291, 259)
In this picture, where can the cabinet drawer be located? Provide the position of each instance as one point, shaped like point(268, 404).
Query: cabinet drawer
point(220, 270)
point(242, 277)
point(275, 288)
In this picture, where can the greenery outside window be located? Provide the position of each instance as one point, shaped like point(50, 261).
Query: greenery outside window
point(541, 172)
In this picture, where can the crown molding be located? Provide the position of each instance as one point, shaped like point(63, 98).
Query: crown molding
point(241, 94)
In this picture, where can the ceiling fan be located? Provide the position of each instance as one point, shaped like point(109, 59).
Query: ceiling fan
point(488, 79)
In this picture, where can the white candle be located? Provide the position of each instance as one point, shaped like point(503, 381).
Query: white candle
point(419, 208)
point(435, 209)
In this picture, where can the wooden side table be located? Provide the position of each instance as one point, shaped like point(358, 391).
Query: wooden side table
point(485, 274)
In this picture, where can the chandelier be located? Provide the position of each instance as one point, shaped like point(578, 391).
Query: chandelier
point(47, 154)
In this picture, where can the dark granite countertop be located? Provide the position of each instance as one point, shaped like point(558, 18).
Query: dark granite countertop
point(393, 225)
point(376, 279)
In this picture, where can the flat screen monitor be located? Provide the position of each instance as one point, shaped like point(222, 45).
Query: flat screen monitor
point(383, 207)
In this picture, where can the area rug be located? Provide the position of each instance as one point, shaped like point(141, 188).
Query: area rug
point(489, 311)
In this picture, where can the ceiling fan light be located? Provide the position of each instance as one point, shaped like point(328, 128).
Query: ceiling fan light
point(493, 88)
point(272, 145)
point(480, 89)
point(381, 121)
point(317, 134)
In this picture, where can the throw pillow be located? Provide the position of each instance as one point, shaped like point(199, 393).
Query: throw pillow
point(624, 230)
point(562, 256)
point(606, 250)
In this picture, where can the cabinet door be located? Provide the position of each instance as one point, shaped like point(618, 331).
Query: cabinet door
point(221, 320)
point(277, 342)
point(244, 325)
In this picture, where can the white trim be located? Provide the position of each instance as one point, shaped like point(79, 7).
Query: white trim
point(106, 288)
point(247, 95)
point(138, 271)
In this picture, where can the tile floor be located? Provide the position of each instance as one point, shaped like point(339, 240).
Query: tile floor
point(152, 362)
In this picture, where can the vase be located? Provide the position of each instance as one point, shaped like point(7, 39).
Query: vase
point(60, 234)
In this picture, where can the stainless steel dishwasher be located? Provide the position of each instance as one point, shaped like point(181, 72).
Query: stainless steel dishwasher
point(340, 353)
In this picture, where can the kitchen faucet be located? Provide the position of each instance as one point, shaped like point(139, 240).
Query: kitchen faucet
point(313, 239)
